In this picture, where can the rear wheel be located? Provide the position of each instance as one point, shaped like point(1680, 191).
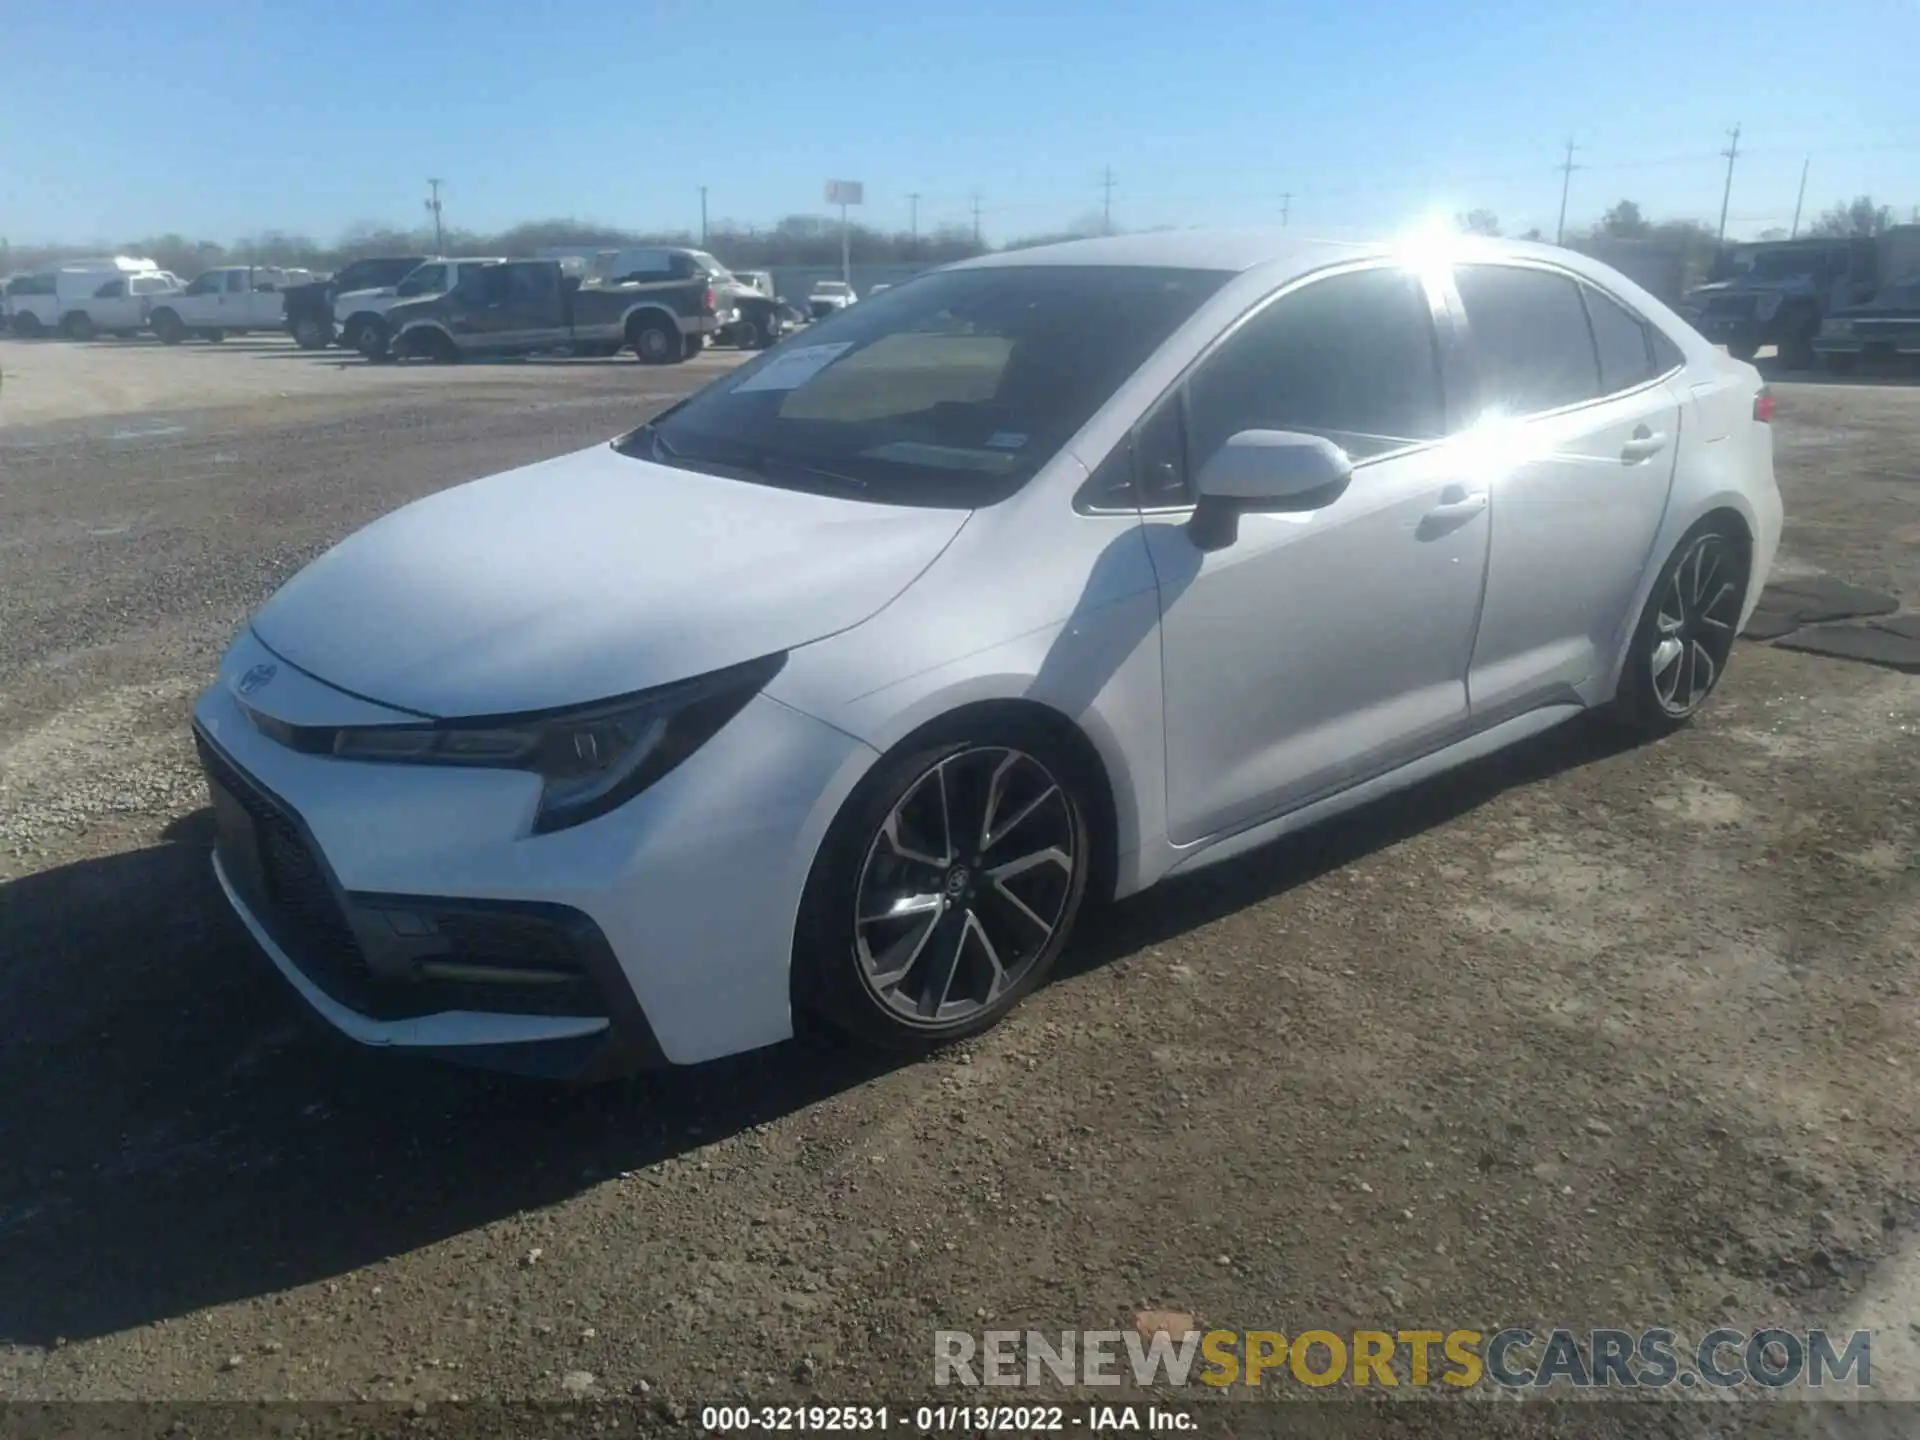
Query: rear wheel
point(654, 341)
point(438, 347)
point(1685, 636)
point(368, 335)
point(27, 326)
point(78, 326)
point(946, 888)
point(310, 332)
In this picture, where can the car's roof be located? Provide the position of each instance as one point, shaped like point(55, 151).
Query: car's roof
point(1236, 250)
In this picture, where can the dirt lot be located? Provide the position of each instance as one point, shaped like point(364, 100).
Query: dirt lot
point(1589, 1034)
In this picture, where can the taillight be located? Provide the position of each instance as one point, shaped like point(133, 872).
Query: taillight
point(1763, 406)
point(710, 302)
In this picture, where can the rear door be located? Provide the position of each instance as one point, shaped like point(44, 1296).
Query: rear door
point(1575, 433)
point(266, 306)
point(113, 307)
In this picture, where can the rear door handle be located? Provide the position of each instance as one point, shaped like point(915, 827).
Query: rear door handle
point(1644, 444)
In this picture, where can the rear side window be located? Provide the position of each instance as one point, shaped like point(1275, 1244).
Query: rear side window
point(1530, 338)
point(1350, 357)
point(1666, 355)
point(1626, 360)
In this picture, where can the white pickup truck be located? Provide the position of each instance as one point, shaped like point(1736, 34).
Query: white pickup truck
point(221, 302)
point(361, 314)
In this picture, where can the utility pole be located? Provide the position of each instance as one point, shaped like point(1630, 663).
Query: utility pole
point(913, 224)
point(703, 217)
point(1106, 204)
point(1286, 207)
point(1800, 199)
point(976, 220)
point(1567, 167)
point(433, 204)
point(1732, 152)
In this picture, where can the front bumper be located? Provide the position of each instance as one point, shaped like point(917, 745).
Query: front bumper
point(384, 892)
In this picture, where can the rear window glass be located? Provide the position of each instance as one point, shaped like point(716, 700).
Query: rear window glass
point(1621, 340)
point(1531, 341)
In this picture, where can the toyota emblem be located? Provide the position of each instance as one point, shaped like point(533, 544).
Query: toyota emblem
point(258, 678)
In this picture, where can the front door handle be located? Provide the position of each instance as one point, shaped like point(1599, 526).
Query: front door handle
point(1457, 503)
point(1644, 445)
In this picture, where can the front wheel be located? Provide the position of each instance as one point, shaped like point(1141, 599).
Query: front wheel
point(1685, 636)
point(169, 327)
point(946, 888)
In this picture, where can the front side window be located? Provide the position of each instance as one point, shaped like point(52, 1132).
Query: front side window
point(1621, 340)
point(530, 285)
point(1530, 338)
point(953, 391)
point(1350, 357)
point(426, 280)
point(236, 282)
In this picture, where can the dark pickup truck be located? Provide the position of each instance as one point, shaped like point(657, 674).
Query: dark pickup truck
point(1885, 328)
point(523, 307)
point(309, 308)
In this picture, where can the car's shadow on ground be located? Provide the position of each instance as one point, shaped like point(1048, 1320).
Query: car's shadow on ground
point(179, 1132)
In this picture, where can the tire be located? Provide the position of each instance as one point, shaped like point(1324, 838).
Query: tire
point(312, 333)
point(1695, 608)
point(28, 326)
point(848, 965)
point(78, 326)
point(1796, 352)
point(213, 335)
point(368, 335)
point(438, 347)
point(692, 346)
point(655, 341)
point(1742, 350)
point(169, 327)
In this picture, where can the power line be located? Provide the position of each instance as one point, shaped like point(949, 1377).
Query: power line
point(1732, 152)
point(1567, 167)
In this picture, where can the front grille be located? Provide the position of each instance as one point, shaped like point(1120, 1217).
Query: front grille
point(293, 898)
point(377, 969)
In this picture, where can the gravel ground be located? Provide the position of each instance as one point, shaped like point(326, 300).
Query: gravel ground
point(1589, 1034)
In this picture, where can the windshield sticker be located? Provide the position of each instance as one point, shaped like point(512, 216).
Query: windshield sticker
point(1006, 440)
point(793, 368)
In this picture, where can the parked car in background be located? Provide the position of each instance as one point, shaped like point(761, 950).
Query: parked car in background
point(758, 280)
point(828, 296)
point(308, 309)
point(361, 314)
point(232, 299)
point(82, 297)
point(523, 307)
point(1038, 584)
point(1887, 327)
point(1778, 292)
point(124, 306)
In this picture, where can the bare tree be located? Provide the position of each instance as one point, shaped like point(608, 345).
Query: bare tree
point(1859, 216)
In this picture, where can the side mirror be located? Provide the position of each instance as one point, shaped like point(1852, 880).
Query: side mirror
point(1265, 471)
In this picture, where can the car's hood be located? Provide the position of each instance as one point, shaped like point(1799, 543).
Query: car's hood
point(586, 577)
point(378, 292)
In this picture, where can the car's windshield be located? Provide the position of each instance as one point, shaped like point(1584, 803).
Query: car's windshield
point(953, 390)
point(1786, 264)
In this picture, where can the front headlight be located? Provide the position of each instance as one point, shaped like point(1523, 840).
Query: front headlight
point(591, 759)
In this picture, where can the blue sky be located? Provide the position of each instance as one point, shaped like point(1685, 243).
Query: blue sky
point(225, 117)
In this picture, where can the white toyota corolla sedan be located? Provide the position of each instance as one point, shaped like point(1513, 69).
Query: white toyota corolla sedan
point(845, 684)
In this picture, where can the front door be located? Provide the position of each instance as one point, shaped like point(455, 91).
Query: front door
point(1578, 435)
point(1320, 647)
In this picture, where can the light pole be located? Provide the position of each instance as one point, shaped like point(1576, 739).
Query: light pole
point(433, 204)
